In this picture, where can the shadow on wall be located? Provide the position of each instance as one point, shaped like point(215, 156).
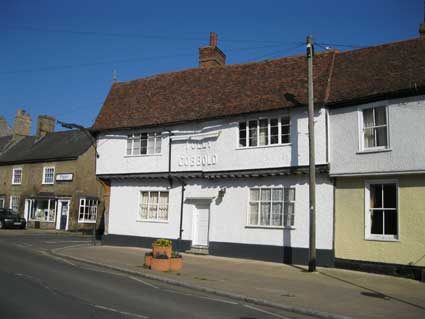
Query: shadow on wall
point(287, 251)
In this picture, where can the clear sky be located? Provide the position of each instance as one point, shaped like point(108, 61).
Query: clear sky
point(57, 57)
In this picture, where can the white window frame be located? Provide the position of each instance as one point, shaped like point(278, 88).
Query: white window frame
point(362, 147)
point(12, 199)
point(367, 222)
point(157, 140)
point(44, 182)
point(258, 225)
point(15, 181)
point(50, 201)
point(155, 220)
point(268, 143)
point(92, 208)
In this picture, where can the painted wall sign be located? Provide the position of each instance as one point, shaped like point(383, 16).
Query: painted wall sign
point(205, 159)
point(64, 177)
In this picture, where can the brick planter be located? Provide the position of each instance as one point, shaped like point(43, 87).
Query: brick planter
point(161, 250)
point(162, 264)
point(176, 264)
point(148, 260)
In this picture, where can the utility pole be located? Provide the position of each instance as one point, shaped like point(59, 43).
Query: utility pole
point(312, 162)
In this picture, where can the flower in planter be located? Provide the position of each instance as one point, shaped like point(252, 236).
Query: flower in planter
point(163, 242)
point(176, 255)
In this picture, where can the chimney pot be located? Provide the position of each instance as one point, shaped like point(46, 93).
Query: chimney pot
point(213, 39)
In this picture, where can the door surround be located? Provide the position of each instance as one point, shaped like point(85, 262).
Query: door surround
point(59, 212)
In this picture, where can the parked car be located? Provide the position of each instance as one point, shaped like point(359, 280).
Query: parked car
point(11, 219)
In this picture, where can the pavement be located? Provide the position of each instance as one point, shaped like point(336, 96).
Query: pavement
point(327, 293)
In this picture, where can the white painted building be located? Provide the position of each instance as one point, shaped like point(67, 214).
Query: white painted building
point(216, 158)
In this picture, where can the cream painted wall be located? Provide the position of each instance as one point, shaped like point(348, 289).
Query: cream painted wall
point(350, 242)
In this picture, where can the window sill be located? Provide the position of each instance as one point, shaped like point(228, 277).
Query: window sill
point(16, 184)
point(47, 184)
point(86, 222)
point(262, 146)
point(382, 239)
point(374, 150)
point(142, 155)
point(41, 221)
point(270, 227)
point(152, 221)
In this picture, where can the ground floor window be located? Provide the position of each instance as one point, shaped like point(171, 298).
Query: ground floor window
point(2, 201)
point(381, 220)
point(271, 207)
point(43, 210)
point(153, 206)
point(88, 210)
point(14, 203)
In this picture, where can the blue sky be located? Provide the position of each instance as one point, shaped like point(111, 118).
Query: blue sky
point(57, 57)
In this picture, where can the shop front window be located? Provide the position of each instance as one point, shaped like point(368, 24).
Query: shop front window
point(43, 210)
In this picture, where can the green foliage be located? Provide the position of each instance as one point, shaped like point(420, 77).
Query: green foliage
point(175, 255)
point(162, 242)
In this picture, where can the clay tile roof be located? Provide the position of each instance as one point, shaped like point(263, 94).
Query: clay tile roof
point(196, 94)
point(379, 72)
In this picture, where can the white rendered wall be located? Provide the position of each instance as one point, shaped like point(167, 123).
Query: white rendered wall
point(214, 147)
point(406, 120)
point(228, 217)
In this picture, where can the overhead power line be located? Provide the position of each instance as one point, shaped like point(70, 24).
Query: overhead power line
point(129, 34)
point(119, 61)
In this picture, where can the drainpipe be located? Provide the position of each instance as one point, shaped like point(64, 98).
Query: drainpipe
point(183, 184)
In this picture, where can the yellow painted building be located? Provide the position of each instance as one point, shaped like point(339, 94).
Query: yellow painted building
point(351, 219)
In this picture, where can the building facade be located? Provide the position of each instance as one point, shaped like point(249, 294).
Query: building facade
point(377, 156)
point(216, 159)
point(50, 179)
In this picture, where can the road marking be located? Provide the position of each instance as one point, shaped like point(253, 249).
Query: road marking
point(57, 258)
point(65, 241)
point(267, 312)
point(201, 297)
point(143, 282)
point(120, 312)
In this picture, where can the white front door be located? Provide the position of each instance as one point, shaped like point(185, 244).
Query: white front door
point(62, 216)
point(200, 225)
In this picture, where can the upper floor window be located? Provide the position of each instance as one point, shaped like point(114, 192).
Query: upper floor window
point(374, 128)
point(144, 143)
point(381, 220)
point(264, 132)
point(88, 210)
point(271, 207)
point(48, 175)
point(153, 206)
point(17, 176)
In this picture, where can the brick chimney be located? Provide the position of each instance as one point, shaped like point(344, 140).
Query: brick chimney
point(211, 56)
point(22, 123)
point(422, 30)
point(45, 125)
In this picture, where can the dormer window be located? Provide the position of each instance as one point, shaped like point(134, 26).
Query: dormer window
point(264, 132)
point(144, 144)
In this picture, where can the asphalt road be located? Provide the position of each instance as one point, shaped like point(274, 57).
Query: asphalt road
point(35, 284)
